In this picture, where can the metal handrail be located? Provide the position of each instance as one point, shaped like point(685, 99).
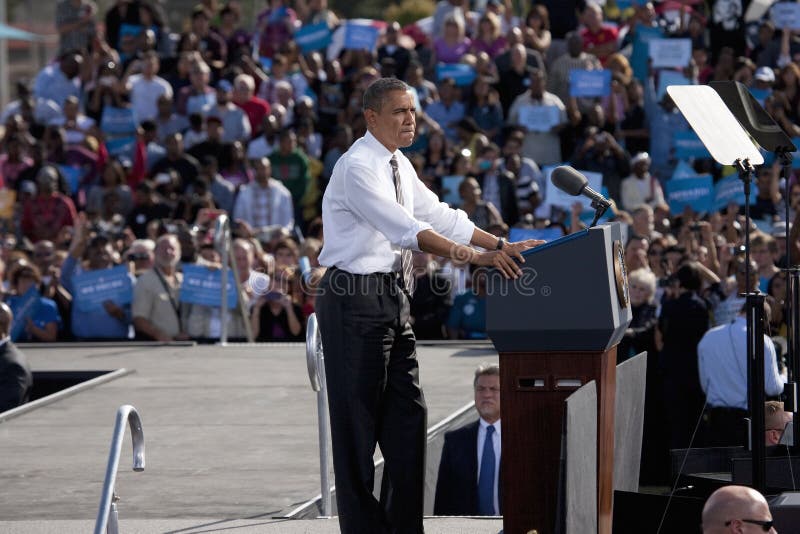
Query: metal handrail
point(223, 242)
point(107, 514)
point(315, 361)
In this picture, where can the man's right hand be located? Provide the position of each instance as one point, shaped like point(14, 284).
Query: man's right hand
point(503, 259)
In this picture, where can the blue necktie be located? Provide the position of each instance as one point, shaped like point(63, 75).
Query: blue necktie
point(486, 476)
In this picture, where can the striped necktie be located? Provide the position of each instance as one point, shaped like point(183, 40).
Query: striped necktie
point(405, 254)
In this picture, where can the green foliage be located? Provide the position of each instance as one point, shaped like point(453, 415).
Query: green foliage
point(409, 11)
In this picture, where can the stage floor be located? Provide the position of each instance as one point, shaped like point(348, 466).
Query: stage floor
point(230, 433)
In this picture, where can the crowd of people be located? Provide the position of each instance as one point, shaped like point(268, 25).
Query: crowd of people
point(126, 149)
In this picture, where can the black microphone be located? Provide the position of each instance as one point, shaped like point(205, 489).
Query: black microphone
point(574, 183)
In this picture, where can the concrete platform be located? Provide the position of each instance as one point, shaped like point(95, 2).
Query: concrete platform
point(230, 433)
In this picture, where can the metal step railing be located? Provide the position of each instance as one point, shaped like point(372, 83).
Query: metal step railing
point(223, 244)
point(107, 518)
point(315, 360)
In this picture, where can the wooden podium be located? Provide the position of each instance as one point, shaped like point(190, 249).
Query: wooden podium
point(556, 328)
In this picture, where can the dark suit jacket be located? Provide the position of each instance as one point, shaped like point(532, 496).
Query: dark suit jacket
point(16, 379)
point(457, 484)
point(509, 209)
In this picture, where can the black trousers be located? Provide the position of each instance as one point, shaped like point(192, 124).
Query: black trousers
point(374, 398)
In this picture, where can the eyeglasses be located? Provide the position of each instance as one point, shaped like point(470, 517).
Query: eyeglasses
point(765, 525)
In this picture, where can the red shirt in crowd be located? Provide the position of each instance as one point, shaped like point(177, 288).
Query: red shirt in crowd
point(255, 109)
point(592, 40)
point(43, 217)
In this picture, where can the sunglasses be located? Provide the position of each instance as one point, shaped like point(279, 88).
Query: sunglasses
point(765, 525)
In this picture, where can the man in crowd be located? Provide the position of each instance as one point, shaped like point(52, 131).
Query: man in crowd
point(265, 201)
point(469, 470)
point(156, 307)
point(542, 145)
point(147, 87)
point(722, 364)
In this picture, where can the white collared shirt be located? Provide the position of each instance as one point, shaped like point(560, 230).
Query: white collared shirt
point(496, 443)
point(365, 226)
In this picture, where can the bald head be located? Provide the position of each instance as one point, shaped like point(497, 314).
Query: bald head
point(731, 504)
point(6, 317)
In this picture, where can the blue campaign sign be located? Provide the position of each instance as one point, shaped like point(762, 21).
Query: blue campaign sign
point(698, 193)
point(667, 78)
point(360, 37)
point(202, 285)
point(641, 49)
point(683, 170)
point(589, 82)
point(24, 308)
point(547, 234)
point(688, 145)
point(118, 121)
point(121, 146)
point(727, 190)
point(461, 73)
point(760, 94)
point(93, 288)
point(313, 37)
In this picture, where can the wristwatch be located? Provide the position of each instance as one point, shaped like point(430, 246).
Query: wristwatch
point(501, 242)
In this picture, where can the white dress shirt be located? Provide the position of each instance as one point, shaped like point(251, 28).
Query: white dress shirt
point(496, 443)
point(722, 361)
point(365, 226)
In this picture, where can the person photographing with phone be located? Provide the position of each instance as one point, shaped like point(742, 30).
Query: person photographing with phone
point(375, 211)
point(276, 316)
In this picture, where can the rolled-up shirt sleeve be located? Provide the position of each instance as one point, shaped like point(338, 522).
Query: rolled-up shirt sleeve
point(449, 222)
point(378, 209)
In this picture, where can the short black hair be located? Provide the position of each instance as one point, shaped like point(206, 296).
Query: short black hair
point(688, 276)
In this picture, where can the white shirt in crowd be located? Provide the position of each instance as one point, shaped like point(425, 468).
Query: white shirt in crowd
point(260, 148)
point(722, 362)
point(144, 95)
point(365, 225)
point(262, 206)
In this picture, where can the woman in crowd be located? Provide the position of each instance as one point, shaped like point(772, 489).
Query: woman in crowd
point(276, 316)
point(537, 29)
point(452, 46)
point(488, 38)
point(43, 322)
point(113, 180)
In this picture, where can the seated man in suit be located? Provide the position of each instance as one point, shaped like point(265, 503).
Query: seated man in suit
point(16, 379)
point(470, 466)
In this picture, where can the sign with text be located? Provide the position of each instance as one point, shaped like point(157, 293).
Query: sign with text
point(313, 37)
point(589, 82)
point(360, 37)
point(670, 53)
point(727, 190)
point(786, 15)
point(24, 308)
point(697, 193)
point(461, 73)
point(539, 118)
point(688, 145)
point(93, 288)
point(202, 285)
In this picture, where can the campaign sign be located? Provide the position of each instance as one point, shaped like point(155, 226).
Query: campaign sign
point(461, 73)
point(539, 118)
point(589, 82)
point(688, 145)
point(93, 288)
point(670, 53)
point(761, 94)
point(727, 190)
point(313, 37)
point(24, 308)
point(450, 185)
point(786, 15)
point(546, 234)
point(698, 193)
point(360, 37)
point(683, 170)
point(557, 197)
point(121, 146)
point(202, 285)
point(667, 78)
point(118, 121)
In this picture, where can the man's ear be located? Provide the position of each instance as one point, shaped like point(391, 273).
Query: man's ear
point(370, 115)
